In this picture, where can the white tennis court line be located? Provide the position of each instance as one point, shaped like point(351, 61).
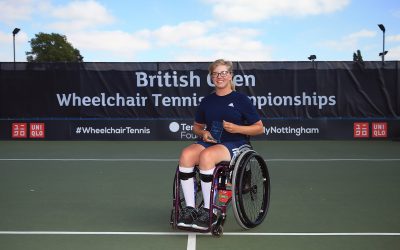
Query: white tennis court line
point(191, 244)
point(192, 236)
point(86, 159)
point(175, 160)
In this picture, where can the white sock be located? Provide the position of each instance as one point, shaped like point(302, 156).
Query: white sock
point(206, 188)
point(188, 187)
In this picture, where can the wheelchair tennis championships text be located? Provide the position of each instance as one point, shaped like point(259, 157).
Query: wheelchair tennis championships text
point(166, 80)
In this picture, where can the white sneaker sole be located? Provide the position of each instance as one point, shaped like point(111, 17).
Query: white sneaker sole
point(199, 227)
point(181, 224)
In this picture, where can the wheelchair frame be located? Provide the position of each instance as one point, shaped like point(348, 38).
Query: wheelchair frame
point(227, 172)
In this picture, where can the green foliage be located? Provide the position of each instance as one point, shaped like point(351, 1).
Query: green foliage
point(52, 48)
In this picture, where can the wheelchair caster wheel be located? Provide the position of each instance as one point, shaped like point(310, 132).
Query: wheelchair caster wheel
point(217, 231)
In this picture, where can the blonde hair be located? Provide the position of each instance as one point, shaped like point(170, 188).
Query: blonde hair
point(223, 62)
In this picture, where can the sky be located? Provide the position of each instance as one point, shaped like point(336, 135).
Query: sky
point(205, 30)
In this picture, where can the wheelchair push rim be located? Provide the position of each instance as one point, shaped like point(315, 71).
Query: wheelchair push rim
point(251, 190)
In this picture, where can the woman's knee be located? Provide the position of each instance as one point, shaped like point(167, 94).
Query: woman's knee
point(207, 158)
point(212, 156)
point(189, 157)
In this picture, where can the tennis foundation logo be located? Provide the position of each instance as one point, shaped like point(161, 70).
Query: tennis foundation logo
point(183, 129)
point(362, 130)
point(174, 127)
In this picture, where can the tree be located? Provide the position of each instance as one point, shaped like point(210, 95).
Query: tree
point(52, 48)
point(357, 57)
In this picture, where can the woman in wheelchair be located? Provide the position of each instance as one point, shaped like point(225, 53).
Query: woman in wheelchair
point(223, 122)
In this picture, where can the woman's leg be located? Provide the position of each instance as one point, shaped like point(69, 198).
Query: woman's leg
point(187, 161)
point(209, 157)
point(190, 155)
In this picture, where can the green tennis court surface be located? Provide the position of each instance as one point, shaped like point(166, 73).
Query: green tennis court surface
point(117, 195)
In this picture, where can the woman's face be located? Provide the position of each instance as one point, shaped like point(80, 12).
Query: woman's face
point(221, 77)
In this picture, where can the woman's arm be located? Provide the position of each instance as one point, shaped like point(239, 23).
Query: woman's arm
point(199, 130)
point(254, 129)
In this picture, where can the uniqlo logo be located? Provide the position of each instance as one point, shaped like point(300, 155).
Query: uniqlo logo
point(379, 129)
point(18, 130)
point(37, 130)
point(361, 130)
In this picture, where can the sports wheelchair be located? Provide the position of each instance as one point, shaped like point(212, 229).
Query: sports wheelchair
point(244, 181)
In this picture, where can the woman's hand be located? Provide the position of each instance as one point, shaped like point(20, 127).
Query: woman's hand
point(254, 129)
point(199, 130)
point(230, 127)
point(207, 137)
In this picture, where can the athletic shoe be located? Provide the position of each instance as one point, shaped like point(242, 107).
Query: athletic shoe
point(202, 221)
point(186, 217)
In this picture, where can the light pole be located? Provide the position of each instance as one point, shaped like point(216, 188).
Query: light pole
point(384, 52)
point(15, 31)
point(312, 59)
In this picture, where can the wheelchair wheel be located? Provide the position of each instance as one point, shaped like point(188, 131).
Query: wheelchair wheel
point(251, 189)
point(217, 231)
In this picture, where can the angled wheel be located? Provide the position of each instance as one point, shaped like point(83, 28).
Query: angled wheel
point(179, 199)
point(178, 192)
point(217, 231)
point(176, 202)
point(251, 189)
